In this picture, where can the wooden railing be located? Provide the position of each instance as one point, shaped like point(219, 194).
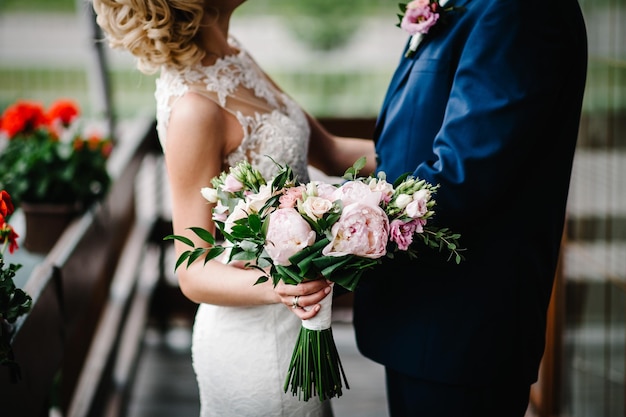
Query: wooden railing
point(89, 297)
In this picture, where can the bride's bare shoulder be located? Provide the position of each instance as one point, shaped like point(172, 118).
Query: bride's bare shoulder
point(194, 117)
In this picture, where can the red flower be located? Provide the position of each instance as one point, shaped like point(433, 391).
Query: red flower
point(78, 144)
point(22, 117)
point(63, 110)
point(94, 142)
point(107, 148)
point(7, 234)
point(6, 205)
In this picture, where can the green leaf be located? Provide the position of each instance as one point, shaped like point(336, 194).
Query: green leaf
point(203, 234)
point(261, 280)
point(242, 255)
point(195, 254)
point(306, 252)
point(254, 221)
point(329, 264)
point(183, 239)
point(213, 253)
point(359, 164)
point(182, 258)
point(401, 179)
point(289, 276)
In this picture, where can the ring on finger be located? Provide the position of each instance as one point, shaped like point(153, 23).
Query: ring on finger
point(295, 304)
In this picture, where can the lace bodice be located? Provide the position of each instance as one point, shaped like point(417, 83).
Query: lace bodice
point(272, 123)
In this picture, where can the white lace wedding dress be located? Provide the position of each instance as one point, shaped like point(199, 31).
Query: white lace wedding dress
point(241, 354)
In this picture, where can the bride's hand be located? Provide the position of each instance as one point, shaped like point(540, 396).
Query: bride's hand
point(306, 294)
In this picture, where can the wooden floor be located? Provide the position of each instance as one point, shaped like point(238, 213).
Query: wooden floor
point(165, 385)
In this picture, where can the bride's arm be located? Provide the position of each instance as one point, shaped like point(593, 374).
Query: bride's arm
point(334, 154)
point(198, 135)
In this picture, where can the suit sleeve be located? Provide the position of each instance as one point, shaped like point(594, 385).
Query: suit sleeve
point(507, 98)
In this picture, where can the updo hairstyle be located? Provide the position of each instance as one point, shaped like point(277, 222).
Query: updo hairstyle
point(156, 32)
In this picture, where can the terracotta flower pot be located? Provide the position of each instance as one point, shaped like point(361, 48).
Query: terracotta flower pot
point(45, 223)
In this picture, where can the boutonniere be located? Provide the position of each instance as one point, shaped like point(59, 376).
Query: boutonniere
point(419, 17)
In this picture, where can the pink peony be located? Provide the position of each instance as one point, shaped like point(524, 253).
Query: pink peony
point(321, 189)
point(362, 230)
point(419, 17)
point(356, 192)
point(287, 234)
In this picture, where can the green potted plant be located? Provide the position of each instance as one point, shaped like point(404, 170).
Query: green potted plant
point(14, 302)
point(49, 163)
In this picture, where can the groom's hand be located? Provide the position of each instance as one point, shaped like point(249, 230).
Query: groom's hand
point(303, 299)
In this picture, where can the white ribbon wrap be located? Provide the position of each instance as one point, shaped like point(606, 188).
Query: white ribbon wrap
point(322, 319)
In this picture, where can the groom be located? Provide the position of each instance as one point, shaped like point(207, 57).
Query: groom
point(488, 106)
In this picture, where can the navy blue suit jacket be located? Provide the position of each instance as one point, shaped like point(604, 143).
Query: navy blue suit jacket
point(489, 108)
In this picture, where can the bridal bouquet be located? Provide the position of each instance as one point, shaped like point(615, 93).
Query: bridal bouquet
point(293, 232)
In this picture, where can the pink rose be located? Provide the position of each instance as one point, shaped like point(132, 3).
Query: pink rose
point(416, 209)
point(287, 234)
point(291, 196)
point(419, 17)
point(232, 184)
point(362, 230)
point(419, 206)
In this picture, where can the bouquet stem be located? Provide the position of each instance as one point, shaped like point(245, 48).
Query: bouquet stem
point(315, 367)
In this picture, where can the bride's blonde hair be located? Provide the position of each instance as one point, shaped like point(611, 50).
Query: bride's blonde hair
point(156, 32)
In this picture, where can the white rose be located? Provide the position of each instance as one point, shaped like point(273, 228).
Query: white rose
point(209, 194)
point(403, 200)
point(316, 207)
point(422, 194)
point(256, 201)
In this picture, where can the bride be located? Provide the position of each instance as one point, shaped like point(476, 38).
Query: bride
point(216, 107)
